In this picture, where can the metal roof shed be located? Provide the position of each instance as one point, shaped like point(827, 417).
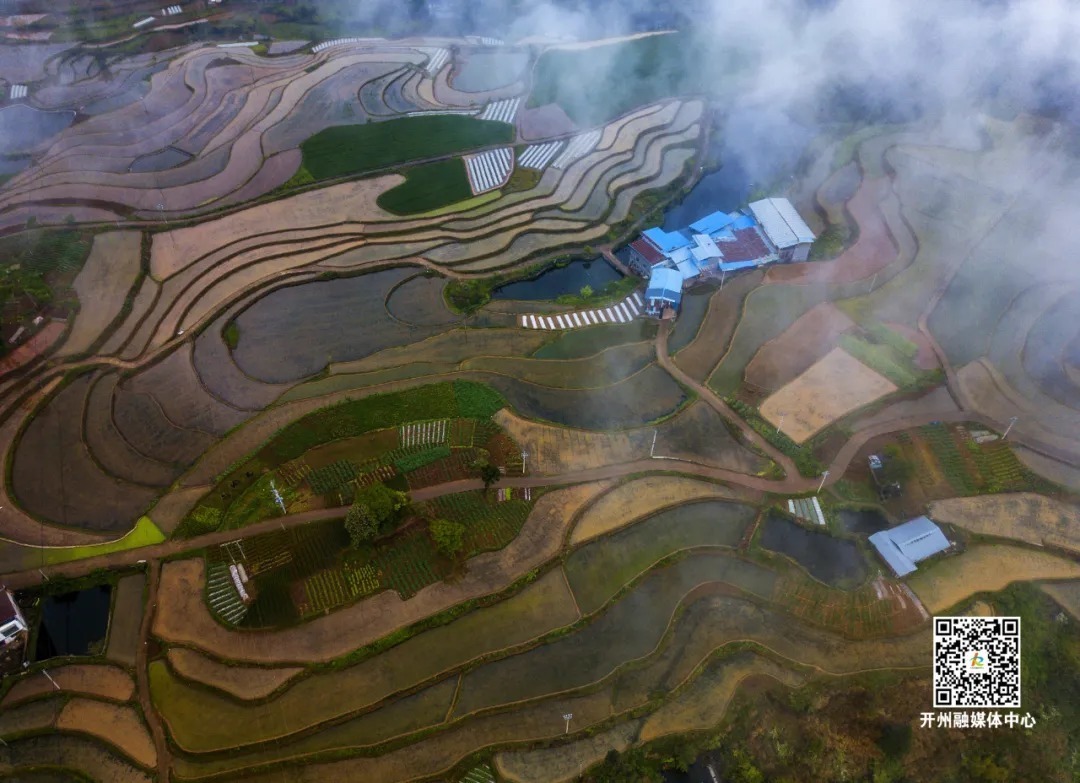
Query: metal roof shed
point(665, 284)
point(710, 224)
point(905, 545)
point(666, 240)
point(782, 224)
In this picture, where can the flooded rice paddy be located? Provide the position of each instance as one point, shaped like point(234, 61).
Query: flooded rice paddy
point(835, 561)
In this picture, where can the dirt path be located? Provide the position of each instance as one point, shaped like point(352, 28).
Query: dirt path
point(721, 407)
point(142, 677)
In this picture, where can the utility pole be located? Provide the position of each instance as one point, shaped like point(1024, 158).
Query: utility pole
point(653, 447)
point(723, 274)
point(781, 424)
point(49, 677)
point(567, 718)
point(1012, 421)
point(524, 456)
point(824, 476)
point(871, 288)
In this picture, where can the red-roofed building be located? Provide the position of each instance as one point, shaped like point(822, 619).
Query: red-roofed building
point(644, 255)
point(746, 246)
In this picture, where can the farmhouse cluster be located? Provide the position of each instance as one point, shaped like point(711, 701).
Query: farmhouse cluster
point(769, 230)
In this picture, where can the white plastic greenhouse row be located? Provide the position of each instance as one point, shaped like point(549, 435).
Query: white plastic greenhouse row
point(423, 433)
point(437, 60)
point(578, 147)
point(341, 42)
point(537, 156)
point(501, 111)
point(488, 170)
point(622, 313)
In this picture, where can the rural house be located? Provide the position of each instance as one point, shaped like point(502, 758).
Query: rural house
point(664, 293)
point(13, 632)
point(723, 242)
point(905, 545)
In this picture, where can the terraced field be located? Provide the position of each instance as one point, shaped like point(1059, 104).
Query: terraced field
point(233, 376)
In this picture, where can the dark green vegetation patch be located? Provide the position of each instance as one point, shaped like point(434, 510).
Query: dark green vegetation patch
point(352, 149)
point(427, 187)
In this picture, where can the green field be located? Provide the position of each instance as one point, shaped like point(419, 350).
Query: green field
point(143, 534)
point(352, 149)
point(882, 359)
point(427, 187)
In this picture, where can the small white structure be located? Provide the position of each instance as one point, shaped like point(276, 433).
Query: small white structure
point(784, 227)
point(171, 10)
point(18, 91)
point(143, 22)
point(12, 622)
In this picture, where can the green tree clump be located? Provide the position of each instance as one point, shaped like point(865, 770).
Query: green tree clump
point(449, 537)
point(376, 510)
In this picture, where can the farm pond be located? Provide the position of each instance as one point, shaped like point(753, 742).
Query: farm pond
point(863, 521)
point(71, 623)
point(835, 561)
point(560, 280)
point(23, 127)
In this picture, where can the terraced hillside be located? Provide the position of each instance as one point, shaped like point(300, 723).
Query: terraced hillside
point(376, 526)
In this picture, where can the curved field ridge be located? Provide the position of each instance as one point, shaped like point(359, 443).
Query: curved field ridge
point(702, 705)
point(101, 285)
point(106, 682)
point(636, 500)
point(183, 617)
point(70, 751)
point(243, 682)
point(119, 726)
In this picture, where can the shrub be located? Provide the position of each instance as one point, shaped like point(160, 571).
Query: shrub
point(231, 335)
point(449, 537)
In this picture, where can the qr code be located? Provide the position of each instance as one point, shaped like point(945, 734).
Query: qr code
point(977, 662)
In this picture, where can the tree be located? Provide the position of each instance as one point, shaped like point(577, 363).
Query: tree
point(586, 291)
point(376, 510)
point(449, 537)
point(489, 474)
point(361, 525)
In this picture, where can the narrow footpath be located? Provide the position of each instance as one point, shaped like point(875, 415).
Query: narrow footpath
point(142, 678)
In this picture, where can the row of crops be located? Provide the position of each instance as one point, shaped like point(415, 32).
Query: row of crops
point(971, 467)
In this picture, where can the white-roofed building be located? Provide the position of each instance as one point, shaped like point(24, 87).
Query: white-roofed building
point(784, 227)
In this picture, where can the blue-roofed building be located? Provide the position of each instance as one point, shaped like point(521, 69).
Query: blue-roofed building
point(905, 545)
point(723, 242)
point(666, 241)
point(664, 291)
point(710, 224)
